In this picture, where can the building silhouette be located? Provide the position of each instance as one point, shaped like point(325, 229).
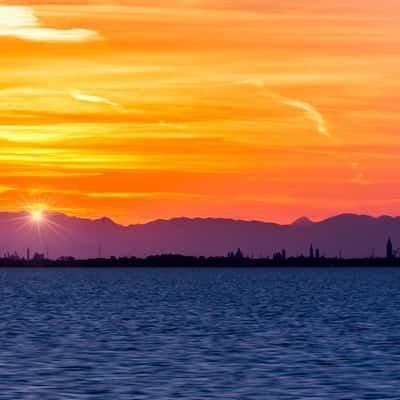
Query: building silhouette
point(280, 255)
point(239, 254)
point(389, 249)
point(311, 251)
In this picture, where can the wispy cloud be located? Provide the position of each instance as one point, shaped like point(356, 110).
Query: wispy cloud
point(173, 126)
point(21, 22)
point(312, 113)
point(309, 109)
point(252, 82)
point(360, 179)
point(92, 99)
point(5, 189)
point(141, 195)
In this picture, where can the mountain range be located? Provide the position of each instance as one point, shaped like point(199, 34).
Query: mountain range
point(61, 235)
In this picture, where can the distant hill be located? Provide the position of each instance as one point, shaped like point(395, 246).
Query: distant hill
point(303, 221)
point(352, 235)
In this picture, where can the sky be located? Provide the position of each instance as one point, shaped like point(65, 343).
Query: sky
point(257, 109)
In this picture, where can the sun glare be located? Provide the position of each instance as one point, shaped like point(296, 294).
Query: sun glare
point(37, 216)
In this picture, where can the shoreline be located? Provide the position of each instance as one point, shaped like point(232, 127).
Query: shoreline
point(178, 261)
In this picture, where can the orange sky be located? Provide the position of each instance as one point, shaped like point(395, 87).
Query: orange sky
point(252, 109)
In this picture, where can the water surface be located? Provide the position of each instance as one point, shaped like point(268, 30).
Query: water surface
point(161, 334)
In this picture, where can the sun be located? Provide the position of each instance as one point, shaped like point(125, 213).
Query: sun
point(37, 216)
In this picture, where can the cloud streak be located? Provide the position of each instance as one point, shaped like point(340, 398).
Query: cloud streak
point(310, 110)
point(140, 195)
point(312, 113)
point(21, 22)
point(87, 98)
point(173, 126)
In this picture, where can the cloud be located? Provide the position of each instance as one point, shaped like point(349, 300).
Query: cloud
point(310, 110)
point(252, 82)
point(141, 195)
point(92, 99)
point(5, 189)
point(21, 22)
point(313, 114)
point(360, 179)
point(173, 126)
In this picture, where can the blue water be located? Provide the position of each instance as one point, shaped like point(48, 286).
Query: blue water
point(190, 334)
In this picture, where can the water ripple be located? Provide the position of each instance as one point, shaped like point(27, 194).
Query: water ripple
point(200, 334)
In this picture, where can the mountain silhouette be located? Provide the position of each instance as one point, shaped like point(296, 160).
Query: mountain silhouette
point(303, 221)
point(61, 235)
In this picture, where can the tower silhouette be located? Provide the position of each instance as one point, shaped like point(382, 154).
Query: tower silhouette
point(389, 249)
point(311, 251)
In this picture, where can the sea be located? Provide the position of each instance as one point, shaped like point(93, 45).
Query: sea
point(200, 333)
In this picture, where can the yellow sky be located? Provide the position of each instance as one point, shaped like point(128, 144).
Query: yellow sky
point(153, 109)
